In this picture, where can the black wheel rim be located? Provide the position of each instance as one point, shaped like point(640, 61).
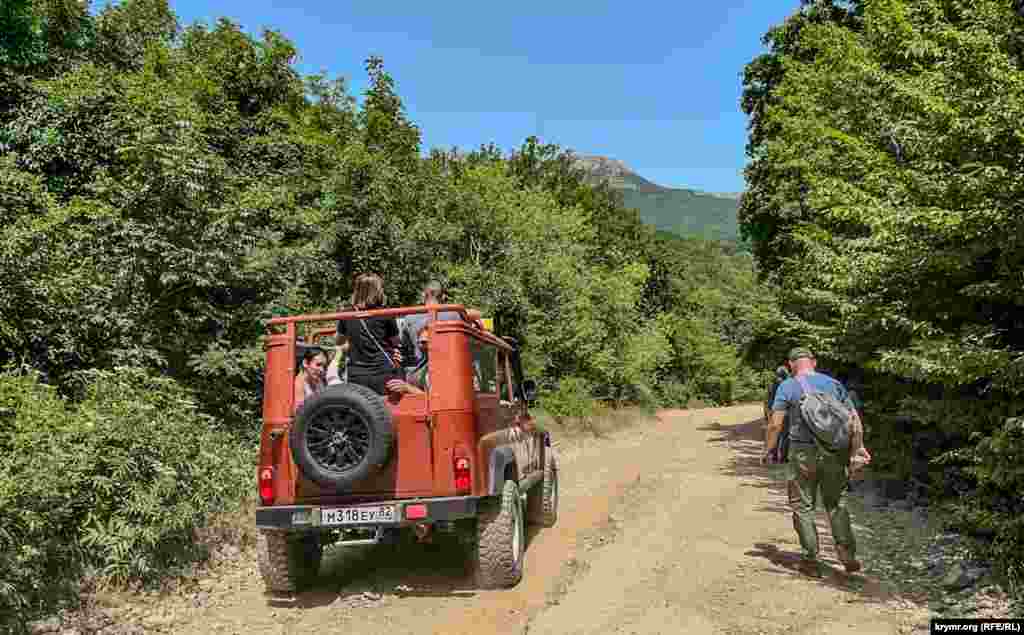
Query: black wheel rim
point(338, 439)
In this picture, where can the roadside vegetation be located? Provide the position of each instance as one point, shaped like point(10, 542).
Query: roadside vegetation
point(884, 205)
point(165, 189)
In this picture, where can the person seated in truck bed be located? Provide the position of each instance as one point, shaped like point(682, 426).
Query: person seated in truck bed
point(433, 293)
point(310, 379)
point(373, 357)
point(417, 380)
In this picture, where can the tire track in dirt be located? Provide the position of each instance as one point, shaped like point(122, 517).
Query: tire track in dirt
point(557, 558)
point(412, 589)
point(664, 527)
point(683, 543)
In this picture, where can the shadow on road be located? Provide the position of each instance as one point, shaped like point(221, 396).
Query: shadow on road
point(406, 569)
point(746, 442)
point(786, 562)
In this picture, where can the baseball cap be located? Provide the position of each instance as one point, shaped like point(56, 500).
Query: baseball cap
point(799, 352)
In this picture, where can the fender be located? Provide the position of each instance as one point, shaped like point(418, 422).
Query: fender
point(501, 457)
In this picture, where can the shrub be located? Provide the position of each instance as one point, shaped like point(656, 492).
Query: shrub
point(571, 401)
point(229, 386)
point(994, 508)
point(675, 394)
point(110, 486)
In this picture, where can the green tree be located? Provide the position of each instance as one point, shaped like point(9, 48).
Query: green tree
point(126, 30)
point(386, 129)
point(21, 35)
point(164, 190)
point(885, 198)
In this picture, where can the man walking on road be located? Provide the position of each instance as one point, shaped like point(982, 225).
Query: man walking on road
point(811, 467)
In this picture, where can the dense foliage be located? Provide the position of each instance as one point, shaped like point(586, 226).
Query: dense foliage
point(112, 487)
point(686, 212)
point(886, 198)
point(164, 190)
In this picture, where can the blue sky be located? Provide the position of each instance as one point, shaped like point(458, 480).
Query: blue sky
point(654, 84)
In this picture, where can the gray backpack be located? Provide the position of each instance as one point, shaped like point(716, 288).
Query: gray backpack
point(827, 417)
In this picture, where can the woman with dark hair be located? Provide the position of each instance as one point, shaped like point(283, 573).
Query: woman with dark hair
point(310, 379)
point(372, 343)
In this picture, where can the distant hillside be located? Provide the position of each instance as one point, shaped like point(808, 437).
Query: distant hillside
point(680, 211)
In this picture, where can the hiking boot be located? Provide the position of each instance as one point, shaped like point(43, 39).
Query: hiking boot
point(851, 564)
point(811, 568)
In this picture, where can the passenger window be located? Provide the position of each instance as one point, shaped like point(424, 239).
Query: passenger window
point(505, 386)
point(485, 366)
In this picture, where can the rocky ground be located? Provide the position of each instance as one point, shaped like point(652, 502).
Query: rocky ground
point(906, 544)
point(666, 526)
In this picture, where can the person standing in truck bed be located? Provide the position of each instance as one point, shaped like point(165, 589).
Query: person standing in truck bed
point(373, 357)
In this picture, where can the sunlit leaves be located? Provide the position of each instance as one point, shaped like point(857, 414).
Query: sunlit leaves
point(884, 197)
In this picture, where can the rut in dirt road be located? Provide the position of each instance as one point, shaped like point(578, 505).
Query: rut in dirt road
point(669, 526)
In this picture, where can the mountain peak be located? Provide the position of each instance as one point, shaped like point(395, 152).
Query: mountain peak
point(679, 210)
point(615, 172)
point(604, 166)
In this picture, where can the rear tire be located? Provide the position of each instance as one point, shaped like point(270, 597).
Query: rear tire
point(288, 561)
point(500, 541)
point(542, 501)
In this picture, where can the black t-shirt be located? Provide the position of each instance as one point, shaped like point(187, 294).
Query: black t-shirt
point(364, 357)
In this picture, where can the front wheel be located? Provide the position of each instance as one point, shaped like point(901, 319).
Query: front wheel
point(500, 541)
point(542, 501)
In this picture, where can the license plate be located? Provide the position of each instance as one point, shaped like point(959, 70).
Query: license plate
point(358, 515)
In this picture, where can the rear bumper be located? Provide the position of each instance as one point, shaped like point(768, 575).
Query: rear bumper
point(314, 517)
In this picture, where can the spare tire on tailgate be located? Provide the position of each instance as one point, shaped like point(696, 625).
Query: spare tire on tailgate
point(342, 435)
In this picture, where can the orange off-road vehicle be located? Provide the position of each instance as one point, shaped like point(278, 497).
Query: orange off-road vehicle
point(463, 458)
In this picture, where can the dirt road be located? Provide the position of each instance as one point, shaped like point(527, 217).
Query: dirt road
point(665, 527)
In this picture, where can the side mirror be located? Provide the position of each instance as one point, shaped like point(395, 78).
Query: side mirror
point(529, 390)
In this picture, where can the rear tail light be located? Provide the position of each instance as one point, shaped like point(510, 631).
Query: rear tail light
point(463, 478)
point(415, 512)
point(267, 485)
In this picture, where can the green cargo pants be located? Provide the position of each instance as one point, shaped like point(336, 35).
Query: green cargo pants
point(808, 469)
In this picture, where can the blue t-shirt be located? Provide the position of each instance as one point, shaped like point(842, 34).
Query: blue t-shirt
point(787, 399)
point(412, 326)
